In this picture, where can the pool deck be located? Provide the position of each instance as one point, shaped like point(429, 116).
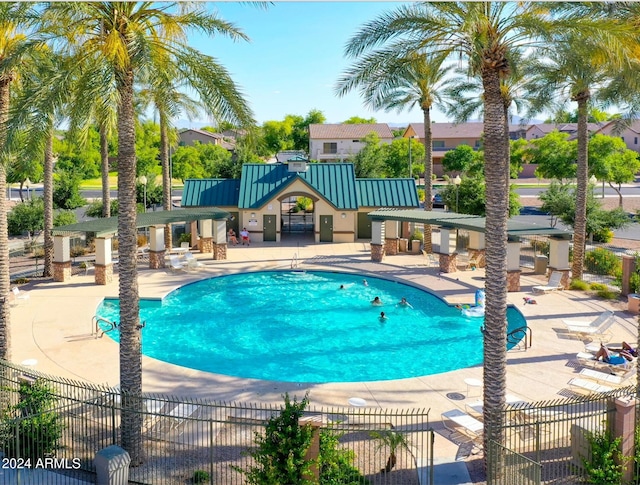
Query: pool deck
point(54, 326)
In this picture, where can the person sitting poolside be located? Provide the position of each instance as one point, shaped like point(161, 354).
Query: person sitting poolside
point(245, 236)
point(610, 358)
point(377, 301)
point(232, 237)
point(626, 351)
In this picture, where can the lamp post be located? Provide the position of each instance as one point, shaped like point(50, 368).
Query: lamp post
point(27, 183)
point(143, 181)
point(592, 182)
point(457, 181)
point(410, 161)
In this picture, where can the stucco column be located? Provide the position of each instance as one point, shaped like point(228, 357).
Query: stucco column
point(206, 236)
point(628, 267)
point(448, 255)
point(157, 248)
point(103, 264)
point(391, 240)
point(624, 427)
point(219, 231)
point(194, 234)
point(61, 258)
point(513, 265)
point(477, 248)
point(377, 240)
point(559, 259)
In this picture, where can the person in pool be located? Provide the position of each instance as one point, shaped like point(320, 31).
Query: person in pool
point(364, 282)
point(404, 302)
point(377, 301)
point(382, 317)
point(609, 357)
point(342, 287)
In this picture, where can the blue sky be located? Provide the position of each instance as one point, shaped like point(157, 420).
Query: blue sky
point(295, 57)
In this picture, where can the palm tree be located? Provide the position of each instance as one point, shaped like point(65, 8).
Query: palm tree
point(14, 46)
point(388, 82)
point(484, 34)
point(577, 68)
point(131, 40)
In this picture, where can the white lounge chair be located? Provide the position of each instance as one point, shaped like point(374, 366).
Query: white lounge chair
point(180, 414)
point(587, 331)
point(175, 264)
point(589, 386)
point(192, 262)
point(553, 284)
point(477, 406)
point(463, 423)
point(587, 359)
point(431, 260)
point(605, 377)
point(596, 322)
point(19, 295)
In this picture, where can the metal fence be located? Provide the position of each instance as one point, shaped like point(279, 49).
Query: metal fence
point(183, 438)
point(551, 437)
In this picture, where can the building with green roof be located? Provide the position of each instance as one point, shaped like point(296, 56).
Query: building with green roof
point(267, 199)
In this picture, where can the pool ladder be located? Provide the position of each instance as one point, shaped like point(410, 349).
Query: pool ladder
point(294, 261)
point(96, 326)
point(519, 336)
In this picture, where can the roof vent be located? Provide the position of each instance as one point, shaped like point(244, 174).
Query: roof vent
point(297, 166)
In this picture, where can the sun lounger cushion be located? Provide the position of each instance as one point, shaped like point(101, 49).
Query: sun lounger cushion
point(463, 420)
point(589, 385)
point(602, 376)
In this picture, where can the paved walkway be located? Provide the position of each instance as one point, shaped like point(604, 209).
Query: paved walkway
point(55, 327)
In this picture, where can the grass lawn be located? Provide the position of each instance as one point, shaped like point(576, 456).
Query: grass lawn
point(96, 184)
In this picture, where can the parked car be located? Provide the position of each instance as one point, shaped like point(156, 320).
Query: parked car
point(437, 201)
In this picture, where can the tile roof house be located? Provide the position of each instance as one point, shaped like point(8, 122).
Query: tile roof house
point(541, 129)
point(263, 200)
point(189, 136)
point(338, 142)
point(630, 133)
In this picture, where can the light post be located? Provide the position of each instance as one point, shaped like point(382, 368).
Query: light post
point(592, 182)
point(457, 181)
point(410, 161)
point(27, 183)
point(143, 181)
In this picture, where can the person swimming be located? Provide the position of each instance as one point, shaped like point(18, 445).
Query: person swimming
point(382, 317)
point(404, 302)
point(377, 301)
point(364, 283)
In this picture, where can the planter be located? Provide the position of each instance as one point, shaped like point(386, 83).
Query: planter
point(415, 246)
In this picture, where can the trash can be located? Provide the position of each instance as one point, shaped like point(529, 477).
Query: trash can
point(112, 466)
point(540, 266)
point(633, 302)
point(403, 245)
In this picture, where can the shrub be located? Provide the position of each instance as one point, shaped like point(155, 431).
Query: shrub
point(335, 463)
point(541, 247)
point(416, 235)
point(141, 240)
point(421, 195)
point(608, 294)
point(20, 281)
point(201, 476)
point(604, 466)
point(604, 235)
point(76, 251)
point(185, 237)
point(603, 262)
point(579, 285)
point(598, 286)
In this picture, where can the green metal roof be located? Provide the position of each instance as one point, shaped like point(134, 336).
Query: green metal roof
point(464, 221)
point(211, 192)
point(335, 182)
point(106, 226)
point(387, 193)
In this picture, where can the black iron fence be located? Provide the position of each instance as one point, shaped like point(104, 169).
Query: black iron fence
point(67, 423)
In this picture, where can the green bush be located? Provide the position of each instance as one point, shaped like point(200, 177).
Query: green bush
point(76, 251)
point(598, 287)
point(29, 429)
point(604, 466)
point(541, 247)
point(336, 463)
point(201, 476)
point(416, 235)
point(608, 294)
point(579, 285)
point(604, 235)
point(603, 262)
point(185, 237)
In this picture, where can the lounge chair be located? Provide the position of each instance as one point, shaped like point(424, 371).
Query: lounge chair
point(192, 262)
point(596, 322)
point(463, 423)
point(589, 386)
point(605, 377)
point(587, 331)
point(175, 264)
point(477, 406)
point(19, 295)
point(553, 284)
point(587, 359)
point(177, 417)
point(431, 260)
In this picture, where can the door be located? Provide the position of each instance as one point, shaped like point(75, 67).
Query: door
point(364, 226)
point(326, 228)
point(269, 227)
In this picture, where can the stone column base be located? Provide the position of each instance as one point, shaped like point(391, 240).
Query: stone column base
point(206, 245)
point(219, 251)
point(377, 253)
point(448, 263)
point(156, 259)
point(513, 280)
point(565, 281)
point(391, 246)
point(62, 271)
point(104, 273)
point(479, 256)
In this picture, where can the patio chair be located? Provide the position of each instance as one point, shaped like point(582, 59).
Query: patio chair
point(175, 264)
point(605, 377)
point(477, 406)
point(590, 332)
point(192, 262)
point(461, 422)
point(587, 359)
point(178, 416)
point(552, 285)
point(19, 295)
point(431, 260)
point(596, 322)
point(589, 386)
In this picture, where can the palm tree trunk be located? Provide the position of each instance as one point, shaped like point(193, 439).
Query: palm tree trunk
point(580, 224)
point(48, 204)
point(428, 173)
point(104, 167)
point(5, 280)
point(495, 330)
point(166, 175)
point(130, 330)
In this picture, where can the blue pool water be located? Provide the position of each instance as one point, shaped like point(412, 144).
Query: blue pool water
point(303, 328)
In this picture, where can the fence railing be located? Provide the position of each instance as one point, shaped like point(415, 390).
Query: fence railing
point(182, 436)
point(506, 467)
point(553, 434)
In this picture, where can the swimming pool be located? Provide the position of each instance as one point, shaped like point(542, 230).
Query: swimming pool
point(301, 327)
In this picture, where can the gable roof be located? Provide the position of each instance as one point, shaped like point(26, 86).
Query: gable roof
point(206, 133)
point(450, 130)
point(333, 181)
point(617, 127)
point(387, 193)
point(564, 127)
point(348, 131)
point(210, 192)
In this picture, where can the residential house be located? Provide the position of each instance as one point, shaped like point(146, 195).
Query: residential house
point(630, 133)
point(264, 200)
point(189, 136)
point(339, 142)
point(542, 129)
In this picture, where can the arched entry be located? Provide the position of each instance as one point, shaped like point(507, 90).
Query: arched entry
point(298, 213)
